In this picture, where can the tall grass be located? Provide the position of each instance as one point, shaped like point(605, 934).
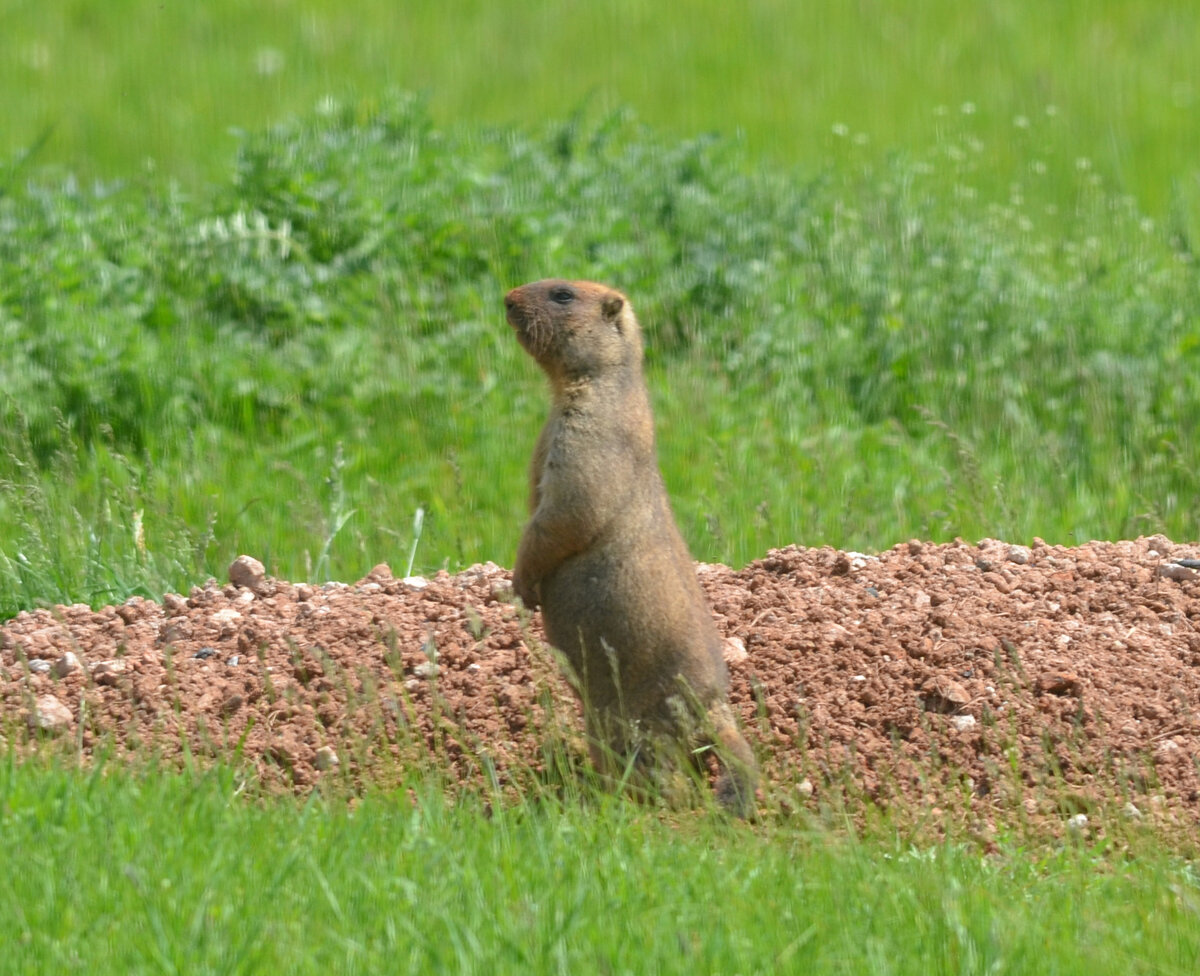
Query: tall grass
point(297, 360)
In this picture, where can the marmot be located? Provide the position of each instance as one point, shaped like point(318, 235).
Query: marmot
point(602, 556)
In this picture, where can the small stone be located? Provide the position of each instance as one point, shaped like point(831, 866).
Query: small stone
point(1019, 554)
point(426, 669)
point(248, 572)
point(962, 722)
point(50, 715)
point(1132, 812)
point(1059, 683)
point(39, 666)
point(415, 582)
point(233, 661)
point(1177, 572)
point(326, 758)
point(805, 788)
point(131, 609)
point(174, 605)
point(1078, 823)
point(67, 664)
point(107, 672)
point(205, 653)
point(173, 631)
point(733, 649)
point(304, 592)
point(378, 574)
point(942, 694)
point(859, 560)
point(226, 620)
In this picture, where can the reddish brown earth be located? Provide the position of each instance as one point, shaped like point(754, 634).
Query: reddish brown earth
point(983, 685)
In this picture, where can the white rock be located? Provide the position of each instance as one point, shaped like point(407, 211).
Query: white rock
point(67, 664)
point(326, 758)
point(962, 722)
point(733, 649)
point(416, 582)
point(1078, 822)
point(805, 788)
point(1019, 554)
point(426, 669)
point(50, 715)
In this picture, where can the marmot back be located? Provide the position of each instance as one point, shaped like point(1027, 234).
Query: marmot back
point(601, 554)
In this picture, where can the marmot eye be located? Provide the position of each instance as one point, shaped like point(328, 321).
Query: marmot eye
point(562, 295)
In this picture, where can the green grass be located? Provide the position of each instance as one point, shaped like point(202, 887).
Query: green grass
point(1115, 82)
point(173, 873)
point(294, 361)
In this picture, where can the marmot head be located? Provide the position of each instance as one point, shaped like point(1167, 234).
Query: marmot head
point(574, 329)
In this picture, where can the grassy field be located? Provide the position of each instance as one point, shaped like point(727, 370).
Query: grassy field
point(1115, 82)
point(169, 874)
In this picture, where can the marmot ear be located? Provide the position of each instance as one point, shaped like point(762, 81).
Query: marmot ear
point(612, 305)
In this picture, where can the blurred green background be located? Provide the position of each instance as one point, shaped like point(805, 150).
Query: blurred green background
point(116, 86)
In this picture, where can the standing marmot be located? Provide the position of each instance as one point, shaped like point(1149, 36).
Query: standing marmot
point(602, 556)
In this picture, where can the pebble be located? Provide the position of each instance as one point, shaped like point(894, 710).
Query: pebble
point(50, 715)
point(733, 649)
point(67, 664)
point(326, 758)
point(1177, 572)
point(805, 788)
point(962, 722)
point(39, 666)
point(226, 619)
point(942, 694)
point(1019, 554)
point(1078, 822)
point(107, 672)
point(1059, 683)
point(248, 572)
point(175, 605)
point(426, 669)
point(205, 653)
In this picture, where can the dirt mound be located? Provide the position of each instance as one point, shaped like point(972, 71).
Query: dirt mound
point(988, 683)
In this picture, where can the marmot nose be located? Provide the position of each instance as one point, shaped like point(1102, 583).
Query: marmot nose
point(509, 300)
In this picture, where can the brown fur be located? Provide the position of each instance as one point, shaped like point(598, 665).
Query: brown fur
point(601, 554)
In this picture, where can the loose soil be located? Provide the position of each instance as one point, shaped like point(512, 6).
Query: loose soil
point(980, 685)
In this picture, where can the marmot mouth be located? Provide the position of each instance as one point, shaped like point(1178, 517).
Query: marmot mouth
point(529, 328)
